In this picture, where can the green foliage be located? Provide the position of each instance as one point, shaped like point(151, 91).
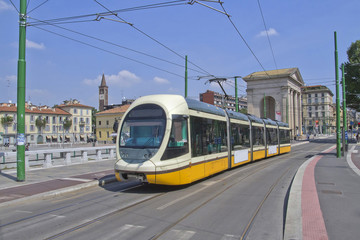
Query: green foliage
point(93, 118)
point(243, 110)
point(67, 124)
point(40, 122)
point(6, 120)
point(352, 76)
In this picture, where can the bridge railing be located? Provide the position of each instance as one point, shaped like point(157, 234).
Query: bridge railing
point(55, 157)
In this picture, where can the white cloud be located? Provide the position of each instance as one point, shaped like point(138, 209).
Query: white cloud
point(161, 80)
point(123, 79)
point(30, 44)
point(5, 6)
point(271, 32)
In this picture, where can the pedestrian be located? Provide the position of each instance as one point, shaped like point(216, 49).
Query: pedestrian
point(357, 137)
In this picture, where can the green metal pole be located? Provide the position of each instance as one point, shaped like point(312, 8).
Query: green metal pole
point(21, 76)
point(186, 77)
point(264, 105)
point(344, 101)
point(338, 136)
point(236, 96)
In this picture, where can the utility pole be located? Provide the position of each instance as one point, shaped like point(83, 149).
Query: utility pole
point(186, 77)
point(344, 104)
point(338, 150)
point(21, 77)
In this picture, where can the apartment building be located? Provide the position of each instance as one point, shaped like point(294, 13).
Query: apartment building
point(219, 100)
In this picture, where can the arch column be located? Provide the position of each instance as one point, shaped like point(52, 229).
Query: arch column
point(296, 113)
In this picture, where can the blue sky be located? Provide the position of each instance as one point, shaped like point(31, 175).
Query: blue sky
point(67, 60)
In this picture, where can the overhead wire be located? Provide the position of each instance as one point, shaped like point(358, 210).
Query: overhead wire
point(147, 35)
point(248, 46)
point(114, 44)
point(37, 6)
point(108, 51)
point(267, 34)
point(14, 6)
point(150, 6)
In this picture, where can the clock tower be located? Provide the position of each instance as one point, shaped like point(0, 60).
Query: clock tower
point(103, 94)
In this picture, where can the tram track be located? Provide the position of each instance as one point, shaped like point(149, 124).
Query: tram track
point(245, 171)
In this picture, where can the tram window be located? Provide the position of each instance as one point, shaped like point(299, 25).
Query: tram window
point(258, 136)
point(207, 136)
point(240, 136)
point(271, 136)
point(284, 136)
point(178, 142)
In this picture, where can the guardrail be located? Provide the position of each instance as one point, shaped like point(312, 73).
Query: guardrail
point(54, 157)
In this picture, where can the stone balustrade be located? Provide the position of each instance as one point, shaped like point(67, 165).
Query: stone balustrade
point(55, 157)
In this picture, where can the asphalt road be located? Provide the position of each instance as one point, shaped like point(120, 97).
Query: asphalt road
point(248, 202)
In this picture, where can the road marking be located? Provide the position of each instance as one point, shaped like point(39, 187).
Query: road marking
point(181, 235)
point(125, 232)
point(208, 184)
point(230, 237)
point(77, 179)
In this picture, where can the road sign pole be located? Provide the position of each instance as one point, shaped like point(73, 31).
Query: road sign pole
point(344, 101)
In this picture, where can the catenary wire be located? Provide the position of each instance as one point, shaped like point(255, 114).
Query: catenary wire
point(151, 6)
point(147, 35)
point(37, 6)
point(14, 6)
point(115, 44)
point(267, 34)
point(248, 46)
point(102, 49)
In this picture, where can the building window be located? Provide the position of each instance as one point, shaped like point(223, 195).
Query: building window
point(310, 122)
point(87, 120)
point(47, 128)
point(316, 100)
point(309, 100)
point(32, 118)
point(310, 114)
point(75, 120)
point(75, 111)
point(54, 120)
point(99, 134)
point(316, 95)
point(316, 108)
point(32, 128)
point(99, 123)
point(322, 100)
point(323, 114)
point(54, 129)
point(107, 134)
point(309, 109)
point(322, 94)
point(309, 95)
point(107, 122)
point(316, 114)
point(47, 119)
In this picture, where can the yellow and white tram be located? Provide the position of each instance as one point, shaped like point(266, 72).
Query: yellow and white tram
point(170, 140)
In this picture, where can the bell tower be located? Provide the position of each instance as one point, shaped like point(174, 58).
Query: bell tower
point(103, 94)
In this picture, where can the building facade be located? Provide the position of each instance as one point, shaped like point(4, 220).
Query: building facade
point(219, 100)
point(318, 110)
point(276, 94)
point(105, 123)
point(81, 128)
point(42, 124)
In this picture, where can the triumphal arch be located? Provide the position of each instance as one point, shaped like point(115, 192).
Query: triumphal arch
point(276, 94)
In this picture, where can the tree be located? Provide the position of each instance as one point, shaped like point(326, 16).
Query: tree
point(67, 124)
point(93, 119)
point(40, 123)
point(7, 120)
point(352, 76)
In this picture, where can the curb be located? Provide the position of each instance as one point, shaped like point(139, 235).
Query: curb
point(61, 191)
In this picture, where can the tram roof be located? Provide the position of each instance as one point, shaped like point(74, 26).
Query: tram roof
point(204, 107)
point(268, 121)
point(237, 115)
point(282, 124)
point(255, 119)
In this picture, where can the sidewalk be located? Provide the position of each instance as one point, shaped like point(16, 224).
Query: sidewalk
point(45, 182)
point(323, 197)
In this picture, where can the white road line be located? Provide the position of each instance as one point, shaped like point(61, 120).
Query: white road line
point(350, 162)
point(208, 184)
point(230, 237)
point(181, 234)
point(125, 232)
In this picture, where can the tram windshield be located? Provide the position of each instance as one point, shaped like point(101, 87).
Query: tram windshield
point(143, 127)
